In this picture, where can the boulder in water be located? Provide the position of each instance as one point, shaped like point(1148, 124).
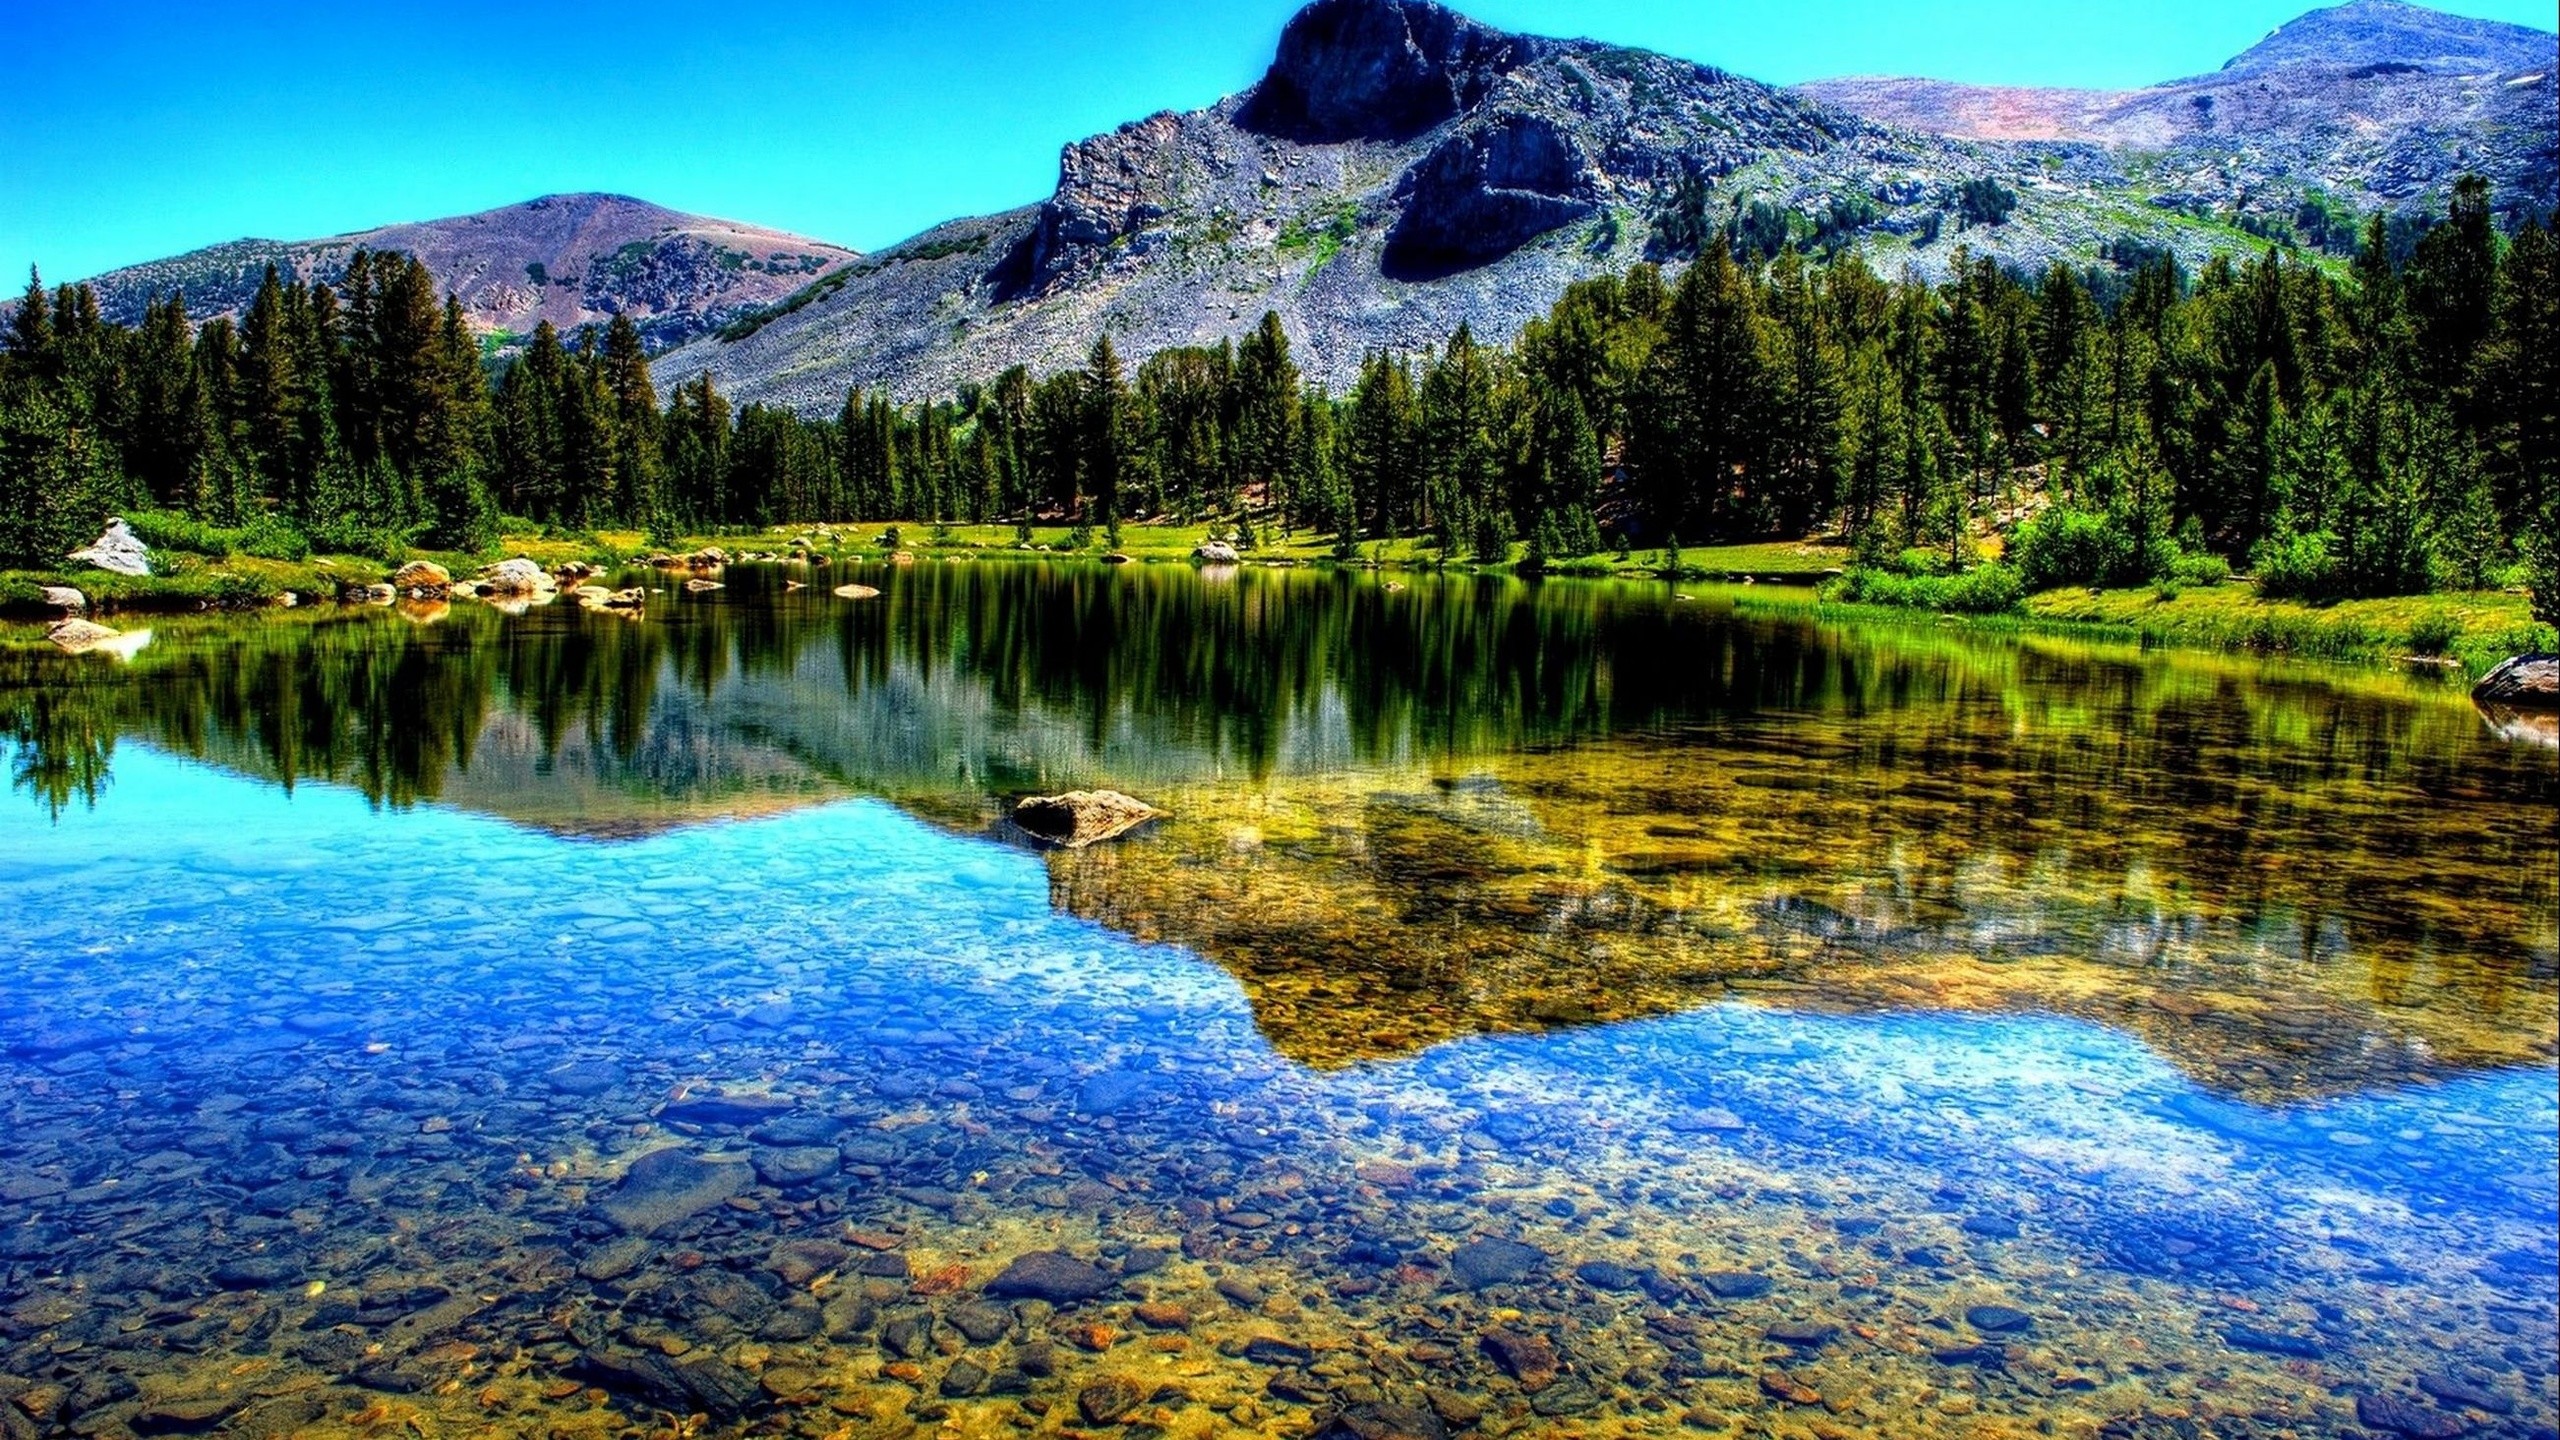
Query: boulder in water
point(79, 637)
point(516, 577)
point(63, 597)
point(420, 575)
point(1082, 817)
point(1215, 552)
point(118, 550)
point(2525, 682)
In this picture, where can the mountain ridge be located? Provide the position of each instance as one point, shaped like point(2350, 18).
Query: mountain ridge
point(573, 259)
point(2376, 103)
point(1401, 168)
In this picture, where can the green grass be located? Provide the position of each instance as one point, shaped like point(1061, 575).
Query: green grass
point(2474, 630)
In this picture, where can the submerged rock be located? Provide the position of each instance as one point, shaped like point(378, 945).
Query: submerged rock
point(729, 1110)
point(1529, 1359)
point(1496, 1261)
point(1050, 1275)
point(1082, 817)
point(855, 592)
point(699, 1382)
point(2524, 682)
point(118, 550)
point(1109, 1400)
point(667, 1187)
point(2399, 1417)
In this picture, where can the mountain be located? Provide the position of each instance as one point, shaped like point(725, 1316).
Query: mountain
point(570, 259)
point(1402, 168)
point(2370, 105)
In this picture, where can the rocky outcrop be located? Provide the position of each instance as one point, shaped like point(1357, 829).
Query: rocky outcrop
point(119, 551)
point(1082, 817)
point(1486, 191)
point(2525, 682)
point(1379, 70)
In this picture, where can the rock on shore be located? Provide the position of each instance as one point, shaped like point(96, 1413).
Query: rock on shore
point(118, 550)
point(2526, 682)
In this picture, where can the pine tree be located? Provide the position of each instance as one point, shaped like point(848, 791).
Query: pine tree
point(639, 478)
point(1382, 459)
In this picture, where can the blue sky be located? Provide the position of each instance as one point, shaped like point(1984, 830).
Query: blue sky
point(145, 129)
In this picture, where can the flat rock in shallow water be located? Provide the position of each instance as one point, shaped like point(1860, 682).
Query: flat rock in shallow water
point(1109, 1400)
point(256, 1272)
point(1735, 1284)
point(615, 1260)
point(1495, 1261)
point(2270, 1342)
point(2453, 1390)
point(796, 1164)
point(1997, 1319)
point(184, 1414)
point(1115, 1091)
point(734, 1111)
point(585, 1077)
point(1529, 1359)
point(667, 1187)
point(1082, 817)
point(2399, 1417)
point(1050, 1275)
point(701, 1382)
point(1383, 1422)
point(1609, 1275)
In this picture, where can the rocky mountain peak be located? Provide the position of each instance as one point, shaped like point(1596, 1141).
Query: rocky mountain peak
point(1379, 70)
point(2363, 34)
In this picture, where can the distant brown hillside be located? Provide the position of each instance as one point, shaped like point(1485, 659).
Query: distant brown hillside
point(570, 259)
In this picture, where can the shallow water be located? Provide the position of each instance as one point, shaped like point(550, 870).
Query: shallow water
point(1562, 1010)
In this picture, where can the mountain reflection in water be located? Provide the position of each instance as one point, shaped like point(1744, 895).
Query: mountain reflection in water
point(1627, 1014)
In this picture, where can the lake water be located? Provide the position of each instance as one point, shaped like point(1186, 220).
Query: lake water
point(1558, 1010)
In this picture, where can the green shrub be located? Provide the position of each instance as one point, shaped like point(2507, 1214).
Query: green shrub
point(2203, 570)
point(2068, 546)
point(1983, 590)
point(2296, 567)
point(2434, 634)
point(348, 536)
point(265, 537)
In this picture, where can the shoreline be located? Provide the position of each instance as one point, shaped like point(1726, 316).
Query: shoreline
point(2472, 631)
